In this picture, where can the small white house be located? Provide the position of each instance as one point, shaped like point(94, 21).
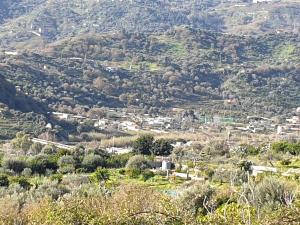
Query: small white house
point(279, 130)
point(128, 125)
point(49, 126)
point(118, 151)
point(11, 53)
point(166, 165)
point(61, 116)
point(294, 119)
point(102, 124)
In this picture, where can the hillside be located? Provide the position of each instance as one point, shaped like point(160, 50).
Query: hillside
point(180, 68)
point(10, 97)
point(35, 23)
point(168, 112)
point(225, 57)
point(19, 112)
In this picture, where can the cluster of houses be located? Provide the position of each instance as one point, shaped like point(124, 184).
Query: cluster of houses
point(260, 1)
point(122, 121)
point(292, 125)
point(258, 124)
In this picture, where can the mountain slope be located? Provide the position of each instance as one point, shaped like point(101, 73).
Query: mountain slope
point(180, 68)
point(38, 22)
point(10, 97)
point(81, 54)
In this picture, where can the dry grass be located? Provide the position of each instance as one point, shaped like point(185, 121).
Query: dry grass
point(202, 136)
point(131, 204)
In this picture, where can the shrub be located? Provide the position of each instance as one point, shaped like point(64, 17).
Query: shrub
point(118, 161)
point(63, 152)
point(22, 141)
point(52, 190)
point(122, 171)
point(49, 149)
point(143, 145)
point(138, 162)
point(27, 172)
point(40, 163)
point(279, 147)
point(1, 158)
point(75, 180)
point(80, 170)
point(14, 164)
point(284, 216)
point(209, 173)
point(285, 162)
point(223, 196)
point(22, 181)
point(246, 149)
point(36, 148)
point(162, 147)
point(56, 177)
point(286, 147)
point(91, 162)
point(231, 214)
point(98, 151)
point(246, 166)
point(134, 204)
point(66, 169)
point(66, 160)
point(4, 182)
point(197, 198)
point(270, 193)
point(146, 175)
point(235, 177)
point(101, 174)
point(133, 173)
point(215, 148)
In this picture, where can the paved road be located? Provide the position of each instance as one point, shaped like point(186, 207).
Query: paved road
point(58, 145)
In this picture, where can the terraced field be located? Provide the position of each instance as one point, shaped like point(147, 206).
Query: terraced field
point(10, 126)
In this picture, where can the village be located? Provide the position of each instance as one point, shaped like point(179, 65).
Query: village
point(117, 119)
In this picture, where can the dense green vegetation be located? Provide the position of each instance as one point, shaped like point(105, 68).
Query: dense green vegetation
point(60, 19)
point(46, 185)
point(204, 58)
point(14, 100)
point(182, 67)
point(148, 55)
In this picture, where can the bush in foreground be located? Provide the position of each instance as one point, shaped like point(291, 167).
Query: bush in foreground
point(4, 182)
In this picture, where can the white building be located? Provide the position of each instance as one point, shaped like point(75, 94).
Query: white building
point(158, 122)
point(61, 116)
point(128, 125)
point(118, 151)
point(102, 124)
point(279, 130)
point(11, 53)
point(166, 165)
point(49, 126)
point(294, 119)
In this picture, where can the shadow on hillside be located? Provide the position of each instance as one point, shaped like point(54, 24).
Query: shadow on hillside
point(19, 101)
